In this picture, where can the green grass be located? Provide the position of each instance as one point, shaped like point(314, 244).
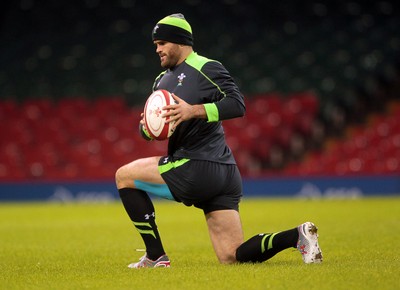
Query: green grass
point(87, 246)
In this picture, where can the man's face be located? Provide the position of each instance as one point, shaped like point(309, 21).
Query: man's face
point(169, 53)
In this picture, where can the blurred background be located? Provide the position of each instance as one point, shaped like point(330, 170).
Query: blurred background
point(321, 81)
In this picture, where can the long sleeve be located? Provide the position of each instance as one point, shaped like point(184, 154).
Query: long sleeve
point(228, 103)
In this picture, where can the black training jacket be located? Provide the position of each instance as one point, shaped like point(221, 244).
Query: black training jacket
point(199, 80)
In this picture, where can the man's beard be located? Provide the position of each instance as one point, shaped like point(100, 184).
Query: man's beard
point(170, 62)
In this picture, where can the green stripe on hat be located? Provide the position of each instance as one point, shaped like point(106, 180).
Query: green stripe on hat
point(178, 22)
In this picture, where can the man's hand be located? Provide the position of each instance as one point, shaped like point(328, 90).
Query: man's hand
point(182, 111)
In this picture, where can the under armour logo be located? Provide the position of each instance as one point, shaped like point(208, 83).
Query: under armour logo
point(147, 216)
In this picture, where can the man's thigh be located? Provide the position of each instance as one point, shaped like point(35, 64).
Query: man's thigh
point(144, 170)
point(226, 233)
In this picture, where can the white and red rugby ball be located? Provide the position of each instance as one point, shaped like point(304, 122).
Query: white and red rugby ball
point(155, 124)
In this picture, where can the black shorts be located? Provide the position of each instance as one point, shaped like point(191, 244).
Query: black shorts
point(207, 185)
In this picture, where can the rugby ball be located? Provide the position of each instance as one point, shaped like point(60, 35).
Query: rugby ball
point(154, 123)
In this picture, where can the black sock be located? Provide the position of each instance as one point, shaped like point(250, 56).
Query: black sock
point(285, 240)
point(140, 209)
point(264, 246)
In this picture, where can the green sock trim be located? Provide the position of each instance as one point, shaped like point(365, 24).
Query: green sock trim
point(144, 232)
point(270, 240)
point(262, 243)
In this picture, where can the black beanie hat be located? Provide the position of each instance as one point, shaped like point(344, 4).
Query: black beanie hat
point(173, 28)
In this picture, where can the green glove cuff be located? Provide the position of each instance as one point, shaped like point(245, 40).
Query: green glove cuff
point(144, 133)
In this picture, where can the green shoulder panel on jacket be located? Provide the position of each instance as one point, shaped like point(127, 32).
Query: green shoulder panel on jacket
point(156, 79)
point(197, 61)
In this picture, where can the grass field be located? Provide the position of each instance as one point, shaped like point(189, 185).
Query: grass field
point(87, 246)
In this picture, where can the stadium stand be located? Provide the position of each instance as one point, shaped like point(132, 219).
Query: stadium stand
point(370, 149)
point(321, 81)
